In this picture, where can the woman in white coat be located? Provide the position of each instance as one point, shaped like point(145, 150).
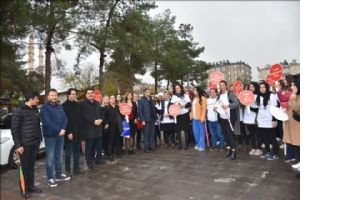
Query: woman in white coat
point(249, 120)
point(266, 122)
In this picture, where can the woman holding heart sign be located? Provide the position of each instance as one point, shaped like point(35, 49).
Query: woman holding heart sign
point(132, 118)
point(229, 118)
point(249, 120)
point(183, 120)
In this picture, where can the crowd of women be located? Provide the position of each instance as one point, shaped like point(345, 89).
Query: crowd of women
point(217, 121)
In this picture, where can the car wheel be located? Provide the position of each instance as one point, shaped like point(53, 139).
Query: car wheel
point(13, 159)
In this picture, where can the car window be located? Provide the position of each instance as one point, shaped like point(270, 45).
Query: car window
point(5, 122)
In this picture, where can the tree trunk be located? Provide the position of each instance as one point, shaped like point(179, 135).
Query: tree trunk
point(48, 69)
point(103, 46)
point(167, 86)
point(49, 49)
point(130, 82)
point(156, 77)
point(101, 70)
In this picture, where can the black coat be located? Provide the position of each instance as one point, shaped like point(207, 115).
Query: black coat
point(25, 126)
point(135, 109)
point(74, 126)
point(113, 119)
point(91, 111)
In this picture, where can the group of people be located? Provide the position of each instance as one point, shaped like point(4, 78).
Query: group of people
point(217, 121)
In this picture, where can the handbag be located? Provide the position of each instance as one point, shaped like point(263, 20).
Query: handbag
point(296, 115)
point(140, 124)
point(126, 132)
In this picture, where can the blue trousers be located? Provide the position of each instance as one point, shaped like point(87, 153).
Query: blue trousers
point(54, 149)
point(149, 133)
point(198, 129)
point(216, 133)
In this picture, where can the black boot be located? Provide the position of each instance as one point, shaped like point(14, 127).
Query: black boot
point(186, 140)
point(110, 158)
point(179, 145)
point(228, 153)
point(234, 155)
point(26, 195)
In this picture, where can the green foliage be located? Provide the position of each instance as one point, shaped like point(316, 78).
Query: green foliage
point(101, 21)
point(52, 23)
point(15, 18)
point(127, 39)
point(132, 48)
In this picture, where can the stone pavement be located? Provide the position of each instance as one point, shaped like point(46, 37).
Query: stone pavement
point(172, 175)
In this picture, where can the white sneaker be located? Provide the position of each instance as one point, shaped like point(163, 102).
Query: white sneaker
point(200, 149)
point(258, 152)
point(52, 183)
point(196, 148)
point(63, 177)
point(252, 152)
point(296, 166)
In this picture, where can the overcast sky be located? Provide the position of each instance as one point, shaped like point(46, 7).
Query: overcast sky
point(256, 32)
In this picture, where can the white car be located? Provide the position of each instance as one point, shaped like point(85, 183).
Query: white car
point(7, 145)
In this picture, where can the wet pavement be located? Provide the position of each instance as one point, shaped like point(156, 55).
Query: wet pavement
point(172, 175)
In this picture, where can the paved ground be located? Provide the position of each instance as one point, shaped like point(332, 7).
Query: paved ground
point(170, 174)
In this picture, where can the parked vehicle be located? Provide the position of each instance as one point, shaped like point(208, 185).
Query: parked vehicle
point(7, 145)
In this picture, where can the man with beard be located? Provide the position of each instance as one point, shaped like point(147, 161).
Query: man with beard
point(92, 124)
point(54, 121)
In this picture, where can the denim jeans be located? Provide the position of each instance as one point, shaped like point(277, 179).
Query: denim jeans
point(216, 133)
point(198, 129)
point(72, 148)
point(54, 149)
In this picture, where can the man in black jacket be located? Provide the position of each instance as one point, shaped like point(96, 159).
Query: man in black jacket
point(92, 128)
point(73, 131)
point(26, 133)
point(149, 116)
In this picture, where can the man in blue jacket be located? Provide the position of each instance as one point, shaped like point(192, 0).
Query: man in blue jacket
point(54, 122)
point(148, 116)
